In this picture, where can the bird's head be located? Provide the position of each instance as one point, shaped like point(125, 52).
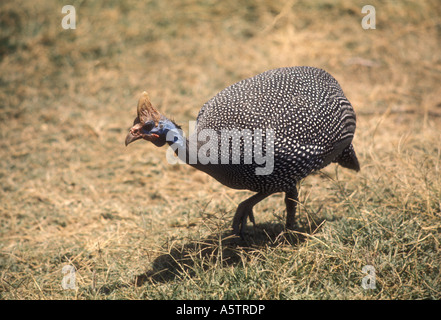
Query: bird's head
point(149, 125)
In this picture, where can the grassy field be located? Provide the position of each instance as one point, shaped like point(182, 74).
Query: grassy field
point(135, 227)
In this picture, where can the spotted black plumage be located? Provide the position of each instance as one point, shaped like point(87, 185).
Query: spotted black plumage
point(312, 122)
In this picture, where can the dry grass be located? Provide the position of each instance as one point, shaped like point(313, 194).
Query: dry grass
point(135, 227)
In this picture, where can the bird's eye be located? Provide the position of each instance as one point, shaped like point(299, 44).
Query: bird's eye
point(149, 125)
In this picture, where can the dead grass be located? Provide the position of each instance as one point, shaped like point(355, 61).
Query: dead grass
point(135, 227)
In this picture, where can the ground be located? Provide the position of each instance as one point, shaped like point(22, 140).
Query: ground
point(135, 227)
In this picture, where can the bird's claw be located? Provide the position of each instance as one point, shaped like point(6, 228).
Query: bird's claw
point(239, 225)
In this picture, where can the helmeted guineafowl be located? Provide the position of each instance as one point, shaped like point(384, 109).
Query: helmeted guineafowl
point(263, 134)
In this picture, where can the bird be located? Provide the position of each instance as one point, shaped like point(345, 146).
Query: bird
point(264, 134)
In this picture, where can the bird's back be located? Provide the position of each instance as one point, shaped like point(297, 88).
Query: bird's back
point(305, 108)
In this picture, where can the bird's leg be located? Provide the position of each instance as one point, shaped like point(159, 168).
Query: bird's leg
point(291, 199)
point(245, 210)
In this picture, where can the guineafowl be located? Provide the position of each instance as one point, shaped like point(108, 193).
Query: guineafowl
point(262, 134)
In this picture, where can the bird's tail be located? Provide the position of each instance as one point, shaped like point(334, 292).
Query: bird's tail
point(348, 159)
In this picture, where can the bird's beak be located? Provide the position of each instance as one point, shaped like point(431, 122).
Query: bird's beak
point(130, 138)
point(135, 134)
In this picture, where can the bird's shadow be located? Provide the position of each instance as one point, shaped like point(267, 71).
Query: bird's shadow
point(225, 248)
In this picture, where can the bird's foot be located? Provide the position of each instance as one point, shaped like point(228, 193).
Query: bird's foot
point(290, 226)
point(240, 220)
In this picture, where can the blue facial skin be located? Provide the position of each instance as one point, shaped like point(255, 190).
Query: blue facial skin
point(166, 131)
